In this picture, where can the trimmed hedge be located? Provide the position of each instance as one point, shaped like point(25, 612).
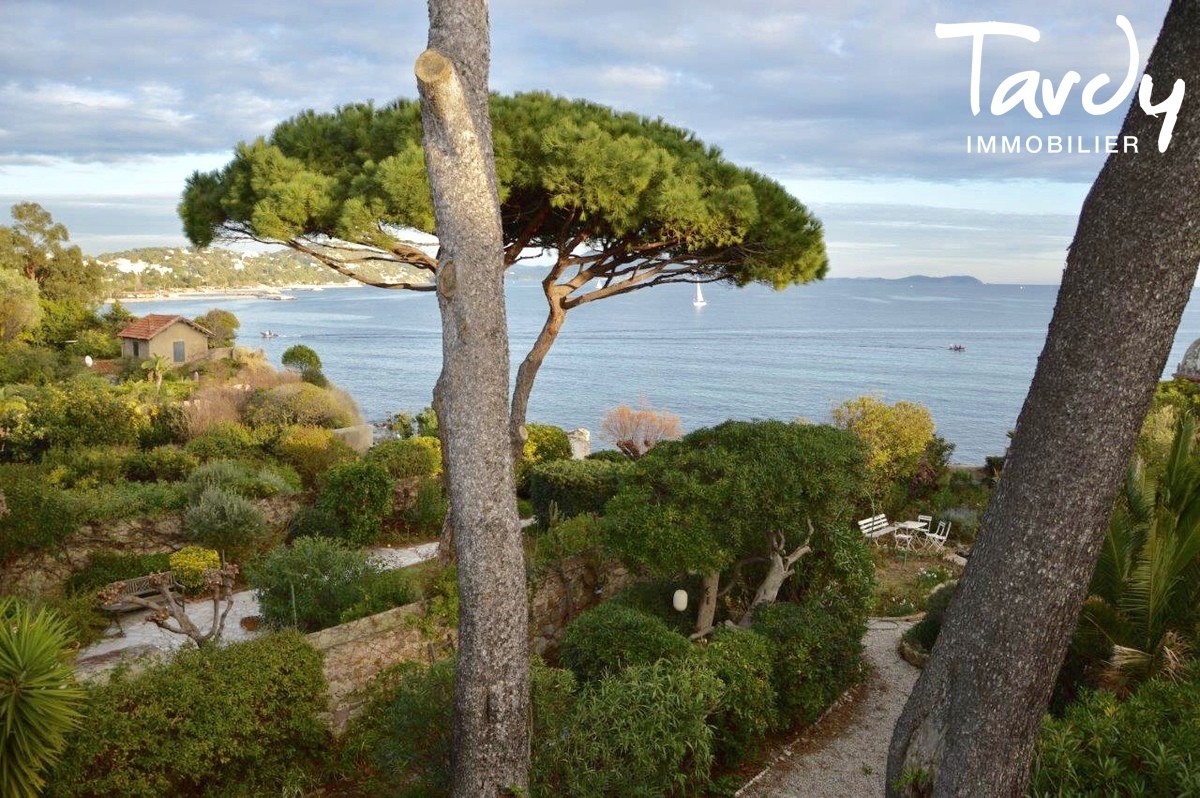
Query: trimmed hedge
point(642, 732)
point(744, 662)
point(408, 457)
point(612, 636)
point(240, 720)
point(817, 655)
point(574, 486)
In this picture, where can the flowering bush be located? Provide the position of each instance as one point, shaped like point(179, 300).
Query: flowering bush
point(190, 563)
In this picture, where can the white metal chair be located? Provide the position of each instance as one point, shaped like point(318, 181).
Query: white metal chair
point(925, 521)
point(937, 539)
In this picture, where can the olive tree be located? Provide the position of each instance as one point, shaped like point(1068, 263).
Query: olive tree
point(738, 494)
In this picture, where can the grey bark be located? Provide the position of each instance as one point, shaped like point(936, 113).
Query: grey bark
point(972, 720)
point(780, 565)
point(491, 704)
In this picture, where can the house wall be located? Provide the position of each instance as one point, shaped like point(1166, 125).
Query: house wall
point(195, 342)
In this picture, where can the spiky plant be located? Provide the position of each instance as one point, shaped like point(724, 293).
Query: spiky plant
point(1149, 568)
point(39, 702)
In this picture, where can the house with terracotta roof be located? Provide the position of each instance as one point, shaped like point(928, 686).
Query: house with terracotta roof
point(178, 339)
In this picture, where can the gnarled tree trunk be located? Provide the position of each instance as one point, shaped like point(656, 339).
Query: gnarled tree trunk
point(491, 702)
point(972, 721)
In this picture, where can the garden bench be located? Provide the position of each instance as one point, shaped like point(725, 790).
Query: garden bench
point(140, 587)
point(875, 527)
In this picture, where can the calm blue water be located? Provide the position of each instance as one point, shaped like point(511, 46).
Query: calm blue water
point(751, 353)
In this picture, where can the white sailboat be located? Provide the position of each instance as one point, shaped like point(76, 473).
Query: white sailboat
point(698, 299)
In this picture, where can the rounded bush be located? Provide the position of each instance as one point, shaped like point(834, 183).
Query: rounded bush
point(224, 440)
point(641, 732)
point(358, 495)
point(40, 515)
point(243, 719)
point(544, 444)
point(311, 451)
point(611, 636)
point(299, 403)
point(743, 661)
point(426, 514)
point(190, 564)
point(308, 585)
point(408, 457)
point(226, 522)
point(160, 464)
point(924, 632)
point(574, 486)
point(817, 656)
point(236, 478)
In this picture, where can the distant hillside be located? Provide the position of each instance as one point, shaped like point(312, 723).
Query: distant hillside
point(162, 269)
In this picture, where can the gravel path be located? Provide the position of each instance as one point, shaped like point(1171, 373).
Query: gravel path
point(845, 755)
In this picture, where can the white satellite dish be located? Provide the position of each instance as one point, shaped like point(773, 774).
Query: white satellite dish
point(87, 361)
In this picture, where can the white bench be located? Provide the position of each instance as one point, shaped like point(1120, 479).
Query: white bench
point(875, 527)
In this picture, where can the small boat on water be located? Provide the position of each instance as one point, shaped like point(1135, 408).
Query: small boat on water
point(269, 334)
point(698, 298)
point(958, 348)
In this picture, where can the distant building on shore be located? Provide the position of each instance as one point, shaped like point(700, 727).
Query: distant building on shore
point(178, 339)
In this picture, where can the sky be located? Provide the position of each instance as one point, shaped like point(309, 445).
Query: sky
point(856, 106)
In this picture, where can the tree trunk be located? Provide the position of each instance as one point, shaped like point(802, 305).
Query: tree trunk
point(491, 701)
point(527, 371)
point(779, 568)
point(708, 603)
point(972, 720)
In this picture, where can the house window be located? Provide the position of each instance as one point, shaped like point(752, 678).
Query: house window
point(137, 345)
point(180, 351)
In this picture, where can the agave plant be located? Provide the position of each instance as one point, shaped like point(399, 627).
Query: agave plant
point(39, 702)
point(1147, 579)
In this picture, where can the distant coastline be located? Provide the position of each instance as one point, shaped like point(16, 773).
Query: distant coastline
point(245, 292)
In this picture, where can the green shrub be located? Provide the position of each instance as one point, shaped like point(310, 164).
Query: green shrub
point(426, 514)
point(40, 705)
point(407, 730)
point(238, 720)
point(641, 732)
point(224, 440)
point(312, 451)
point(121, 499)
point(309, 584)
point(81, 612)
point(358, 495)
point(381, 591)
point(237, 478)
point(80, 467)
point(299, 403)
point(226, 522)
point(87, 411)
point(40, 515)
point(300, 358)
point(924, 632)
point(1145, 745)
point(162, 463)
point(817, 656)
point(574, 486)
point(544, 444)
point(656, 596)
point(190, 564)
point(611, 636)
point(408, 457)
point(565, 539)
point(105, 567)
point(609, 455)
point(743, 661)
point(311, 521)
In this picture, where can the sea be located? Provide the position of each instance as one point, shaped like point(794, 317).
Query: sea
point(750, 353)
